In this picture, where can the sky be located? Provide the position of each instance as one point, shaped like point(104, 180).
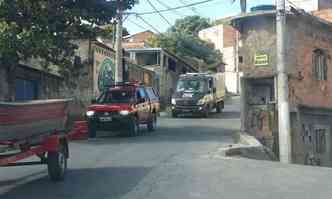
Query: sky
point(213, 10)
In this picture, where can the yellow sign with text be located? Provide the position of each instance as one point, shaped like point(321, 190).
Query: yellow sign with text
point(261, 60)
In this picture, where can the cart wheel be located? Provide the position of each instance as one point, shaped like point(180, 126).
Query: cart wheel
point(57, 164)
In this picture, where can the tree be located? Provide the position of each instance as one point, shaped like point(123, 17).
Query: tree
point(44, 29)
point(190, 25)
point(108, 31)
point(182, 39)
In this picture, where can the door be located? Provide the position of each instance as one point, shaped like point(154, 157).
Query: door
point(322, 148)
point(25, 89)
point(142, 105)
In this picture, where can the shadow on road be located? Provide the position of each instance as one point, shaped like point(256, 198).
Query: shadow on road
point(213, 115)
point(223, 115)
point(15, 181)
point(184, 134)
point(93, 183)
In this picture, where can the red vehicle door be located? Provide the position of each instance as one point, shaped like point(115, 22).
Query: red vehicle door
point(143, 106)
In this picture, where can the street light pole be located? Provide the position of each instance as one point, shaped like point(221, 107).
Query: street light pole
point(118, 44)
point(283, 103)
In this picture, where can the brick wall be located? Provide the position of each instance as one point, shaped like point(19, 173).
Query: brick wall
point(229, 36)
point(257, 37)
point(140, 37)
point(304, 89)
point(324, 14)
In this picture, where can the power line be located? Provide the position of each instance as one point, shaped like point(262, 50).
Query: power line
point(191, 8)
point(137, 24)
point(168, 7)
point(174, 8)
point(162, 16)
point(147, 23)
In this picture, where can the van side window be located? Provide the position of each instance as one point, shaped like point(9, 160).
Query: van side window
point(142, 93)
point(152, 94)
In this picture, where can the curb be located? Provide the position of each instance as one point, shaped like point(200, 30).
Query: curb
point(248, 146)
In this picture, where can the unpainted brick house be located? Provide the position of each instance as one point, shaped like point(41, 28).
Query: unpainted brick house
point(309, 67)
point(167, 66)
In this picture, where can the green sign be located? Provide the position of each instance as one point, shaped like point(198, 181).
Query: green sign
point(261, 59)
point(106, 74)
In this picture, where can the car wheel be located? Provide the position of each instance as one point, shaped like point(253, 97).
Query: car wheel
point(218, 108)
point(153, 123)
point(92, 131)
point(134, 127)
point(206, 112)
point(174, 115)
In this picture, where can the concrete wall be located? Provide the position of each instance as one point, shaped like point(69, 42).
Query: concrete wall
point(48, 85)
point(3, 84)
point(307, 5)
point(215, 35)
point(258, 37)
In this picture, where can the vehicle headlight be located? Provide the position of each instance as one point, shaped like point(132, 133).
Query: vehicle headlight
point(201, 102)
point(125, 112)
point(173, 101)
point(90, 113)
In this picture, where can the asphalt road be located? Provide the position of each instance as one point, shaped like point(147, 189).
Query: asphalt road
point(111, 167)
point(180, 160)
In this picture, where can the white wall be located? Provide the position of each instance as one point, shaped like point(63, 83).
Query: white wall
point(307, 5)
point(229, 59)
point(231, 82)
point(215, 35)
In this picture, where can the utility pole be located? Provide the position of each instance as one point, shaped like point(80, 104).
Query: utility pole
point(283, 104)
point(118, 44)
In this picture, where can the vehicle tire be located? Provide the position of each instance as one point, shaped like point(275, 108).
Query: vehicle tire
point(174, 115)
point(218, 107)
point(57, 163)
point(153, 123)
point(92, 131)
point(206, 113)
point(133, 127)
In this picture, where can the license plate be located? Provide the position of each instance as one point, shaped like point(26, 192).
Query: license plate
point(187, 95)
point(105, 119)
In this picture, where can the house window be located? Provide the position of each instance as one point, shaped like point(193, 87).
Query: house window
point(320, 138)
point(319, 65)
point(172, 65)
point(241, 59)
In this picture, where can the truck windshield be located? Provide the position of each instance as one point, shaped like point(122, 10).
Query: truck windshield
point(191, 85)
point(116, 96)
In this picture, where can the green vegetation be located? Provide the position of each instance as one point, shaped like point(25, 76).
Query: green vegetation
point(44, 29)
point(182, 39)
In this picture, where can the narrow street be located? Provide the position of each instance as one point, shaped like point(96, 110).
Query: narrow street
point(113, 167)
point(180, 160)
